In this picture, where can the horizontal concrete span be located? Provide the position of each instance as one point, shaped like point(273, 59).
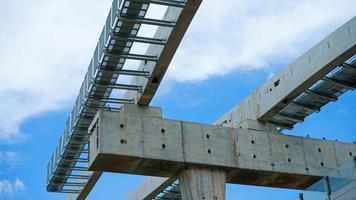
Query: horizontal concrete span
point(150, 188)
point(150, 145)
point(174, 37)
point(305, 71)
point(147, 190)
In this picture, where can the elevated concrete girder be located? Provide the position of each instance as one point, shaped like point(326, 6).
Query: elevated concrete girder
point(301, 74)
point(150, 188)
point(158, 69)
point(150, 145)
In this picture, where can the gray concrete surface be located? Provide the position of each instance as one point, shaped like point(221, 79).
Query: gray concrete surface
point(202, 183)
point(149, 189)
point(296, 78)
point(154, 146)
point(165, 53)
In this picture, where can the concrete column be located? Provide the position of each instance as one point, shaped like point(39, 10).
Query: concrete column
point(202, 184)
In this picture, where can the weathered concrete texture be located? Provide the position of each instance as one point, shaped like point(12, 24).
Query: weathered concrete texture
point(173, 36)
point(296, 78)
point(150, 188)
point(157, 147)
point(202, 183)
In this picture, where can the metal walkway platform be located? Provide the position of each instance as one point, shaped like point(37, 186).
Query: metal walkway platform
point(324, 91)
point(67, 169)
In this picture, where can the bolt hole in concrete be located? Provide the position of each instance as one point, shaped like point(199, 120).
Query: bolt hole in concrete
point(254, 156)
point(289, 160)
point(163, 130)
point(322, 164)
point(252, 142)
point(306, 169)
point(163, 146)
point(350, 153)
point(155, 80)
point(319, 150)
point(123, 141)
point(209, 151)
point(121, 126)
point(287, 146)
point(276, 83)
point(272, 164)
point(207, 136)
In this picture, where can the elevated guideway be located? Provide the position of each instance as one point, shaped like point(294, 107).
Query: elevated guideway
point(318, 77)
point(67, 169)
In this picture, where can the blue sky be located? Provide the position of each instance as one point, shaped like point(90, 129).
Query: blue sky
point(226, 54)
point(192, 102)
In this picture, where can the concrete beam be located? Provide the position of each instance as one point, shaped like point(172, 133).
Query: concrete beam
point(312, 66)
point(174, 37)
point(150, 145)
point(149, 189)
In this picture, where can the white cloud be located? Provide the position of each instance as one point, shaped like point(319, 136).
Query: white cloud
point(45, 49)
point(250, 34)
point(8, 161)
point(11, 187)
point(46, 46)
point(9, 158)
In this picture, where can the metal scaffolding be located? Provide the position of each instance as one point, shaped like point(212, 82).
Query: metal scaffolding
point(324, 91)
point(67, 170)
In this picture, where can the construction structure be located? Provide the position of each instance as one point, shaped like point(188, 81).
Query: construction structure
point(110, 133)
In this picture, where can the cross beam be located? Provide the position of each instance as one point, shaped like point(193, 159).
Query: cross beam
point(149, 145)
point(274, 96)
